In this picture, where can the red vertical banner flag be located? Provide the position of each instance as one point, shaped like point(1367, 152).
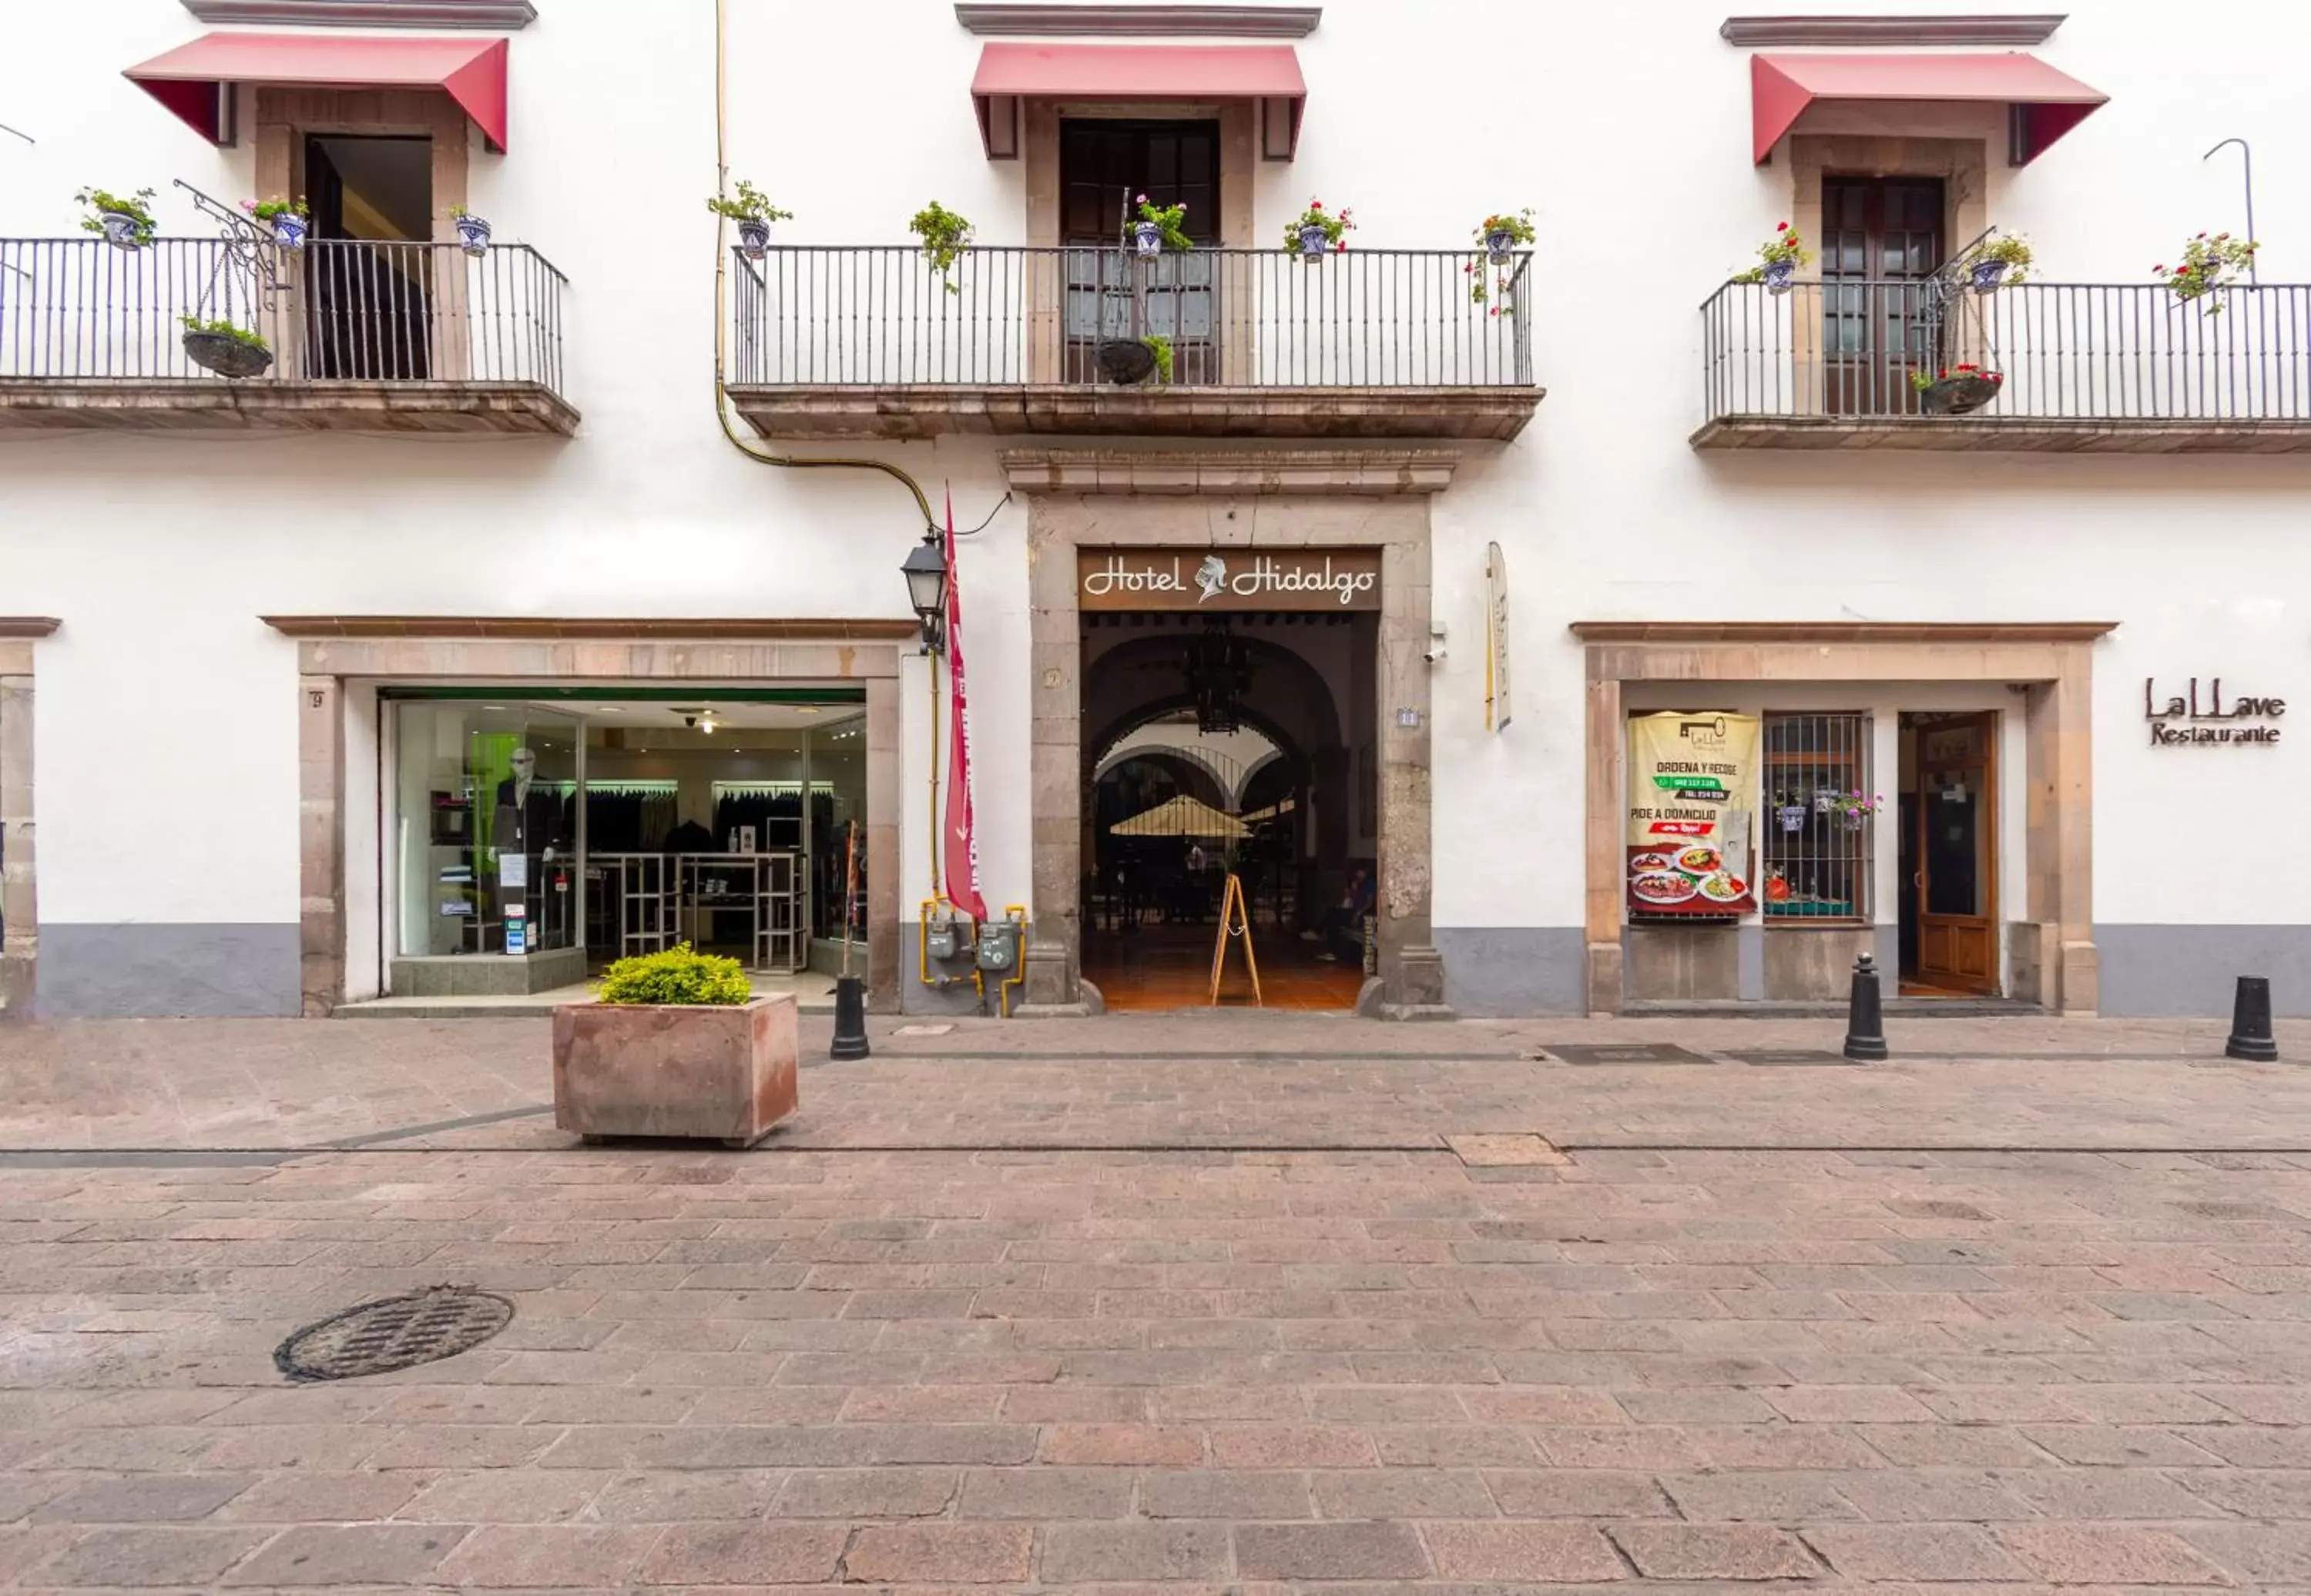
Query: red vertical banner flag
point(962, 849)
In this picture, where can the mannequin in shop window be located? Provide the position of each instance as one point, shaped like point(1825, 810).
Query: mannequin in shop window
point(529, 811)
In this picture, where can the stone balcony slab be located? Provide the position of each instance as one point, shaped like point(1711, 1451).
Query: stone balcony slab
point(168, 405)
point(923, 410)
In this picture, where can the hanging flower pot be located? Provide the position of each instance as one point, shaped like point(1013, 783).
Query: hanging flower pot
point(227, 350)
point(1778, 261)
point(473, 233)
point(125, 221)
point(1148, 238)
point(1126, 360)
point(1957, 391)
point(1315, 231)
point(1988, 275)
point(1502, 232)
point(1855, 819)
point(290, 220)
point(752, 211)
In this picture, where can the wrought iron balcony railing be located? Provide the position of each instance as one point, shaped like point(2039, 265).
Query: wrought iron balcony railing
point(2048, 356)
point(84, 310)
point(1362, 318)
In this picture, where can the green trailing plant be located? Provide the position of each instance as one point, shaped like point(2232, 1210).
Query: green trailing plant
point(1517, 228)
point(1171, 221)
point(680, 976)
point(1161, 348)
point(945, 236)
point(2012, 248)
point(2209, 264)
point(138, 206)
point(1786, 245)
point(751, 204)
point(265, 210)
point(225, 329)
point(1336, 225)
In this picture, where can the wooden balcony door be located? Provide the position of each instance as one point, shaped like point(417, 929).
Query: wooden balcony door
point(1954, 854)
point(1881, 246)
point(1105, 166)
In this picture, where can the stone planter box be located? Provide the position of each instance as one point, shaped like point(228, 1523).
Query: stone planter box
point(726, 1074)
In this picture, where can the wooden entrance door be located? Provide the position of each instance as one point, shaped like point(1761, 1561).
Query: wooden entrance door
point(1882, 245)
point(1955, 853)
point(1105, 166)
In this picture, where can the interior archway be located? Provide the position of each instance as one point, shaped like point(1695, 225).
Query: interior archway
point(1280, 743)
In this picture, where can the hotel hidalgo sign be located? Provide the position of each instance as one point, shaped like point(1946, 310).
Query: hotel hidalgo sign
point(1221, 581)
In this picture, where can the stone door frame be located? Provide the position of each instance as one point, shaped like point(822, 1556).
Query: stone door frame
point(20, 907)
point(1231, 500)
point(334, 650)
point(2049, 663)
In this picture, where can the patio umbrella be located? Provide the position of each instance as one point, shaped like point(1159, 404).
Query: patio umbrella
point(1180, 818)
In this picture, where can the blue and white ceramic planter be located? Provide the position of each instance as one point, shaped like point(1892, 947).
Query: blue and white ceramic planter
point(1988, 275)
point(1500, 246)
point(1314, 242)
point(289, 229)
point(121, 229)
point(1148, 238)
point(473, 234)
point(1779, 275)
point(753, 238)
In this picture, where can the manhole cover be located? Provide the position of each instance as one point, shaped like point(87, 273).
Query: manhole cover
point(1631, 1052)
point(398, 1333)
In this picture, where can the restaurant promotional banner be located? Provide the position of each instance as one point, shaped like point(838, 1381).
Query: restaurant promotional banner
point(1692, 778)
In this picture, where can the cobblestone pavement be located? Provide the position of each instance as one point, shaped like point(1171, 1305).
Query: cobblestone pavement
point(1453, 1356)
point(1223, 1081)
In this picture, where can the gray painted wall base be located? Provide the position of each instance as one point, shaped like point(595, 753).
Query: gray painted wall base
point(2177, 970)
point(1512, 972)
point(205, 971)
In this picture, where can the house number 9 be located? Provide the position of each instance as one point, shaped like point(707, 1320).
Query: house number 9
point(313, 698)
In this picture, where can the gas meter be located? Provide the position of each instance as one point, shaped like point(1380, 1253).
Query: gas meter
point(942, 935)
point(998, 946)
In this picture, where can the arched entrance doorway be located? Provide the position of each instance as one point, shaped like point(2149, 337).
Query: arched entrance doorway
point(1263, 722)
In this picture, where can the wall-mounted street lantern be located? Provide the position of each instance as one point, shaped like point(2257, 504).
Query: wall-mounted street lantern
point(925, 569)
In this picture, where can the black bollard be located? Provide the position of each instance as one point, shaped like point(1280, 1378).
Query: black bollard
point(2251, 1035)
point(1865, 1025)
point(850, 1018)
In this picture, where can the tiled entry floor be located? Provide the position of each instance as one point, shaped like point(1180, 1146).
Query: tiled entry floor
point(1169, 966)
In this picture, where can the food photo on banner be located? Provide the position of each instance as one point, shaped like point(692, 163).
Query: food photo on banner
point(1692, 778)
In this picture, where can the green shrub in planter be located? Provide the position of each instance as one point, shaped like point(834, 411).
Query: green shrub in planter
point(680, 975)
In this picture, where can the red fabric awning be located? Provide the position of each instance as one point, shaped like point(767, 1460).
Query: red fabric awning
point(2046, 103)
point(189, 78)
point(1010, 72)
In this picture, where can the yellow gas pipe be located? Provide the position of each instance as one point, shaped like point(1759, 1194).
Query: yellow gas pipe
point(722, 392)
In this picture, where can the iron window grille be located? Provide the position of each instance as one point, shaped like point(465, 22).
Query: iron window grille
point(1819, 821)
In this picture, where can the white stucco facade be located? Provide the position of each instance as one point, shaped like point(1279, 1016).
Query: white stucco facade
point(167, 747)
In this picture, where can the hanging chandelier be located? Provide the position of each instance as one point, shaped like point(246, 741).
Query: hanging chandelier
point(1218, 675)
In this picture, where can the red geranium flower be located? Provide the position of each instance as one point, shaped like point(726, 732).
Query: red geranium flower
point(1781, 227)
